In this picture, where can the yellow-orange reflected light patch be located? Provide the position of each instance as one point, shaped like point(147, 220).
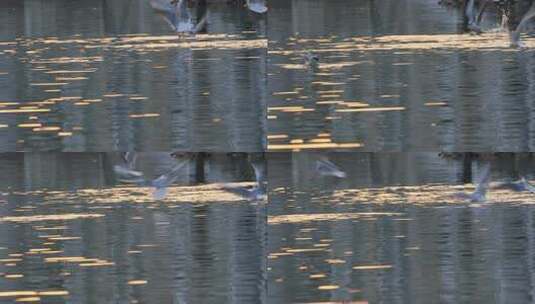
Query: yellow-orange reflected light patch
point(145, 115)
point(372, 267)
point(378, 109)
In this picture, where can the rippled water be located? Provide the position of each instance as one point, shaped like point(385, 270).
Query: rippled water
point(70, 232)
point(394, 76)
point(86, 76)
point(389, 234)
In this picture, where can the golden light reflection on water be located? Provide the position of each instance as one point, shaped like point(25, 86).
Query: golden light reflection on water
point(60, 72)
point(375, 109)
point(143, 42)
point(49, 217)
point(28, 299)
point(290, 109)
point(81, 261)
point(430, 194)
point(328, 287)
point(74, 244)
point(427, 194)
point(137, 282)
point(372, 267)
point(297, 146)
point(144, 115)
point(486, 42)
point(334, 302)
point(318, 253)
point(305, 246)
point(209, 193)
point(306, 218)
point(342, 64)
point(29, 293)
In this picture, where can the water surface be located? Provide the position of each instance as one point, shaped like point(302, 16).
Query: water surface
point(394, 76)
point(389, 234)
point(70, 233)
point(114, 76)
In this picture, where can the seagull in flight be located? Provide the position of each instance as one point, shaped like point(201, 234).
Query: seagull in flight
point(483, 181)
point(257, 6)
point(311, 59)
point(327, 168)
point(259, 191)
point(178, 16)
point(521, 185)
point(126, 173)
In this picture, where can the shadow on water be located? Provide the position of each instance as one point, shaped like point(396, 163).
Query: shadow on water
point(389, 233)
point(394, 76)
point(71, 232)
point(114, 76)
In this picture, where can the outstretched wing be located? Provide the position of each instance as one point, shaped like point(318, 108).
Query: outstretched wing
point(127, 175)
point(165, 9)
point(257, 6)
point(201, 24)
point(130, 159)
point(483, 181)
point(528, 187)
point(246, 193)
point(325, 167)
point(170, 176)
point(483, 178)
point(165, 180)
point(260, 170)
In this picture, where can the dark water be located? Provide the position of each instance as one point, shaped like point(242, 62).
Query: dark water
point(346, 241)
point(114, 76)
point(67, 226)
point(394, 76)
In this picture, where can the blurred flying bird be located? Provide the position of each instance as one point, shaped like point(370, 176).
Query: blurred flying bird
point(515, 34)
point(473, 16)
point(257, 6)
point(179, 16)
point(259, 191)
point(311, 59)
point(126, 173)
point(521, 185)
point(327, 168)
point(163, 181)
point(483, 181)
